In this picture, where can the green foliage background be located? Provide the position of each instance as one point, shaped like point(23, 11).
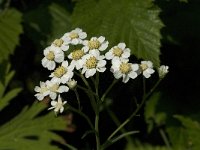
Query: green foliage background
point(163, 31)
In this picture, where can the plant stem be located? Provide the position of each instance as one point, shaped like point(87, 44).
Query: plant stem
point(78, 99)
point(136, 111)
point(164, 137)
point(108, 89)
point(97, 132)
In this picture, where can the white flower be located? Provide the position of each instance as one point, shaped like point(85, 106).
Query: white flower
point(41, 90)
point(147, 68)
point(75, 36)
point(76, 56)
point(72, 83)
point(61, 44)
point(57, 105)
point(163, 70)
point(52, 55)
point(119, 51)
point(93, 62)
point(96, 43)
point(55, 88)
point(122, 68)
point(63, 73)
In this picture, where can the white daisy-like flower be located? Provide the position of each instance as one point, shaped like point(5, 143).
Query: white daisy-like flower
point(122, 68)
point(52, 55)
point(55, 88)
point(76, 56)
point(41, 90)
point(146, 68)
point(62, 74)
point(119, 51)
point(163, 70)
point(96, 43)
point(93, 62)
point(64, 46)
point(58, 105)
point(75, 37)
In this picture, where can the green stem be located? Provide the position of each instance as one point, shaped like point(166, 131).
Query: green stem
point(136, 111)
point(108, 90)
point(97, 132)
point(164, 137)
point(78, 99)
point(83, 115)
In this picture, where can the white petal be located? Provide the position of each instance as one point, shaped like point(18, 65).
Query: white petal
point(146, 74)
point(126, 53)
point(132, 74)
point(75, 41)
point(122, 45)
point(125, 78)
point(53, 95)
point(51, 65)
point(101, 39)
point(117, 74)
point(82, 35)
point(54, 103)
point(101, 69)
point(101, 63)
point(103, 46)
point(62, 89)
point(109, 55)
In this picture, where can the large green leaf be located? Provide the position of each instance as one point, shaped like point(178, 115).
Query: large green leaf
point(10, 29)
point(134, 22)
point(27, 131)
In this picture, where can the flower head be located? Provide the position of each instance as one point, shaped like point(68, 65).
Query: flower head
point(75, 37)
point(163, 70)
point(119, 51)
point(93, 62)
point(52, 55)
point(63, 73)
point(58, 105)
point(42, 91)
point(96, 43)
point(146, 68)
point(60, 43)
point(122, 68)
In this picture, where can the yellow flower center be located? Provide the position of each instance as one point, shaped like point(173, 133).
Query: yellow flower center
point(50, 55)
point(73, 35)
point(43, 89)
point(125, 68)
point(58, 42)
point(54, 88)
point(143, 66)
point(117, 51)
point(77, 54)
point(94, 44)
point(91, 62)
point(60, 71)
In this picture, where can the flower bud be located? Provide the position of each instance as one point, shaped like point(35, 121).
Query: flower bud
point(162, 71)
point(72, 84)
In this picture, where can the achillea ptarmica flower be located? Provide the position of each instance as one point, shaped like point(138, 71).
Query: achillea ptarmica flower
point(93, 62)
point(162, 71)
point(63, 73)
point(76, 56)
point(58, 105)
point(41, 90)
point(55, 88)
point(119, 51)
point(61, 44)
point(96, 43)
point(146, 68)
point(72, 83)
point(52, 55)
point(122, 68)
point(74, 37)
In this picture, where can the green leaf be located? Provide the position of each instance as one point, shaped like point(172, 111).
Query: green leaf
point(134, 22)
point(10, 29)
point(27, 131)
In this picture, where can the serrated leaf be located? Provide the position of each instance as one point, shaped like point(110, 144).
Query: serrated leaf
point(27, 131)
point(9, 96)
point(10, 29)
point(134, 22)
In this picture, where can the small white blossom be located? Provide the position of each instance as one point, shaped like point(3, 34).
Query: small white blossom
point(52, 55)
point(147, 68)
point(63, 73)
point(122, 68)
point(72, 83)
point(163, 70)
point(74, 37)
point(76, 57)
point(93, 62)
point(119, 51)
point(41, 90)
point(96, 43)
point(60, 43)
point(55, 88)
point(58, 105)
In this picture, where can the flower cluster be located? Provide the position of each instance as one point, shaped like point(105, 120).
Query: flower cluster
point(73, 52)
